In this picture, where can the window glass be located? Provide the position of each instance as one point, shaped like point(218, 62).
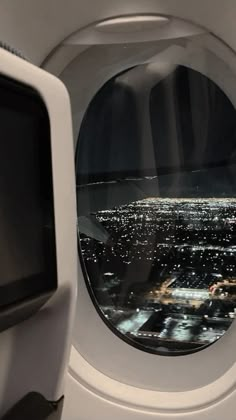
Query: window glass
point(156, 173)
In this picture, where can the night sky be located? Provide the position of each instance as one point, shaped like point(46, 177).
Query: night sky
point(190, 145)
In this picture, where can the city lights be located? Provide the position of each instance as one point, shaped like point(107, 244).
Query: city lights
point(166, 278)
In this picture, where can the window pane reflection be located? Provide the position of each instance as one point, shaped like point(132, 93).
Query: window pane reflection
point(156, 208)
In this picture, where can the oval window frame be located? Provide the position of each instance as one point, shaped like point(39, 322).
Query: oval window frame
point(209, 372)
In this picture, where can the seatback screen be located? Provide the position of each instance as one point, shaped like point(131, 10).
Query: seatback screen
point(27, 235)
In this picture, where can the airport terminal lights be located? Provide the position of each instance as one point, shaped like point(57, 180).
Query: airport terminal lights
point(166, 276)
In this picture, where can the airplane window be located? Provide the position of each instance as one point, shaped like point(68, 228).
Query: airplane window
point(156, 188)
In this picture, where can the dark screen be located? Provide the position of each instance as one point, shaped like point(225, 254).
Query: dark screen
point(27, 237)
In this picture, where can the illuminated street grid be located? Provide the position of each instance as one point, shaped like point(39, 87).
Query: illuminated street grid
point(166, 277)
